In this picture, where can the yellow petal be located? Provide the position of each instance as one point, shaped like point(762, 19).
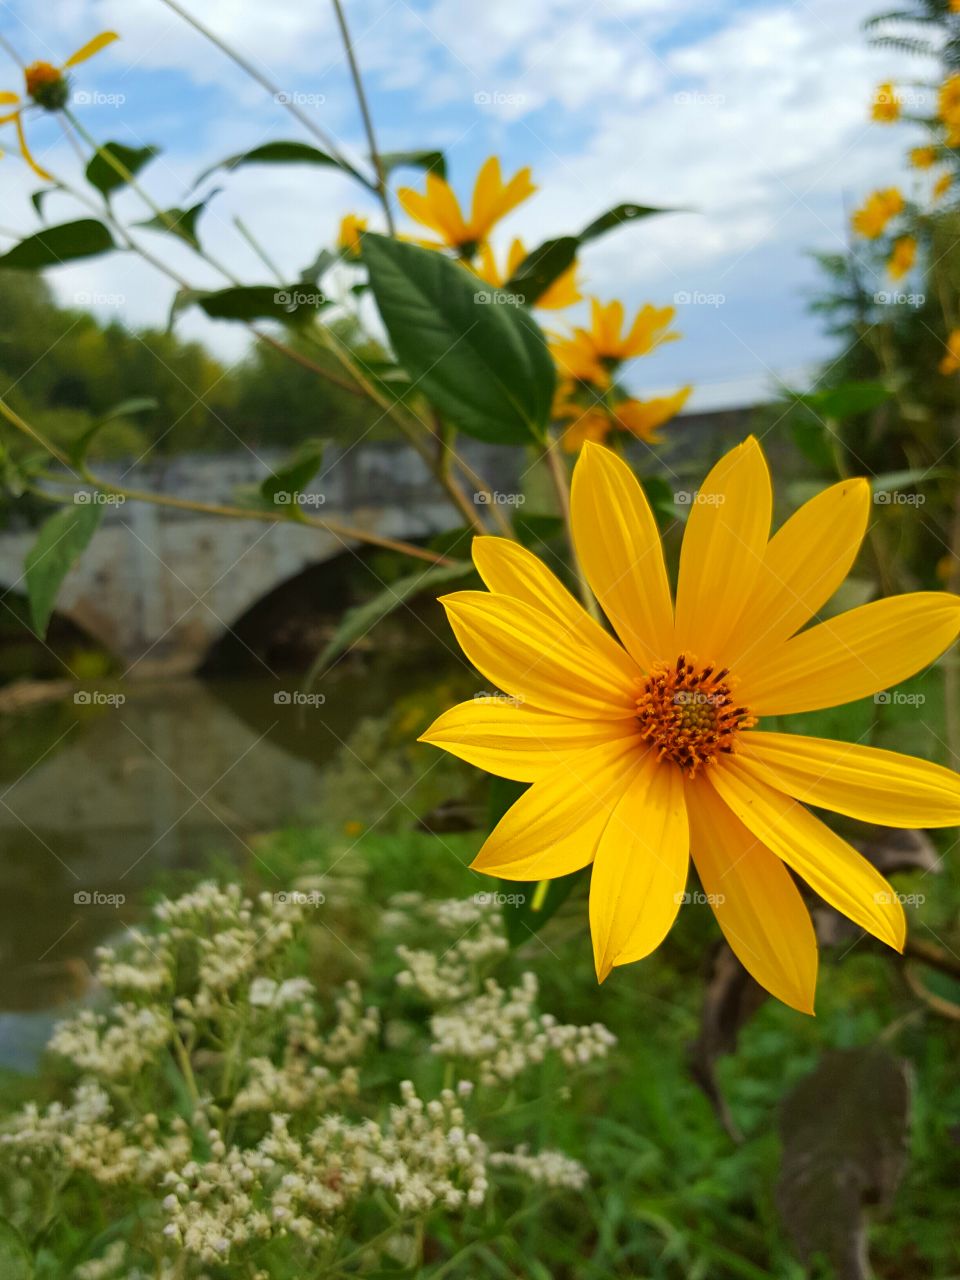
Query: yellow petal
point(862, 782)
point(493, 199)
point(514, 645)
point(91, 47)
point(805, 562)
point(853, 655)
point(553, 828)
point(518, 742)
point(830, 866)
point(640, 868)
point(437, 209)
point(25, 150)
point(753, 896)
point(7, 98)
point(618, 544)
point(723, 547)
point(509, 569)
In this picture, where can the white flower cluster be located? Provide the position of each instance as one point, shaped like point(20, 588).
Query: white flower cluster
point(478, 934)
point(501, 1034)
point(226, 1102)
point(550, 1169)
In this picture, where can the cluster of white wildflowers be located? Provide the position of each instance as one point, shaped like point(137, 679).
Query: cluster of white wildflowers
point(230, 1100)
point(501, 1034)
point(477, 939)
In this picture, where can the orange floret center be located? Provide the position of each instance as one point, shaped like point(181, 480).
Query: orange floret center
point(39, 75)
point(689, 714)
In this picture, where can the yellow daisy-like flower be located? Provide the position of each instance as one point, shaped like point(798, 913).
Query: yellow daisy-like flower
point(351, 227)
point(902, 258)
point(640, 418)
point(592, 355)
point(643, 751)
point(885, 108)
point(562, 293)
point(951, 361)
point(439, 209)
point(47, 87)
point(942, 186)
point(948, 108)
point(871, 219)
point(923, 157)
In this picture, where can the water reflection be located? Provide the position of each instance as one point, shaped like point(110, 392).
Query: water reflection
point(97, 799)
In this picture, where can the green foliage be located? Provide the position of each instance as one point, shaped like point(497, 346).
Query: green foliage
point(482, 361)
point(61, 541)
point(106, 176)
point(54, 245)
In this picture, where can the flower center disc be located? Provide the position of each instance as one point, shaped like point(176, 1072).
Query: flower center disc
point(47, 85)
point(689, 714)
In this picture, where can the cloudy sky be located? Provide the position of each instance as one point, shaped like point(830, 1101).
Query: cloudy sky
point(751, 115)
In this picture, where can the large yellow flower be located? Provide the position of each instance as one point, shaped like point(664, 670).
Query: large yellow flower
point(645, 751)
point(562, 293)
point(47, 87)
point(592, 355)
point(439, 209)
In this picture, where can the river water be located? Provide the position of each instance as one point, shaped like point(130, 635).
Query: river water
point(101, 795)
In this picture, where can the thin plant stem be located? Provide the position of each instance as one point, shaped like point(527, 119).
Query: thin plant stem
point(375, 157)
point(275, 91)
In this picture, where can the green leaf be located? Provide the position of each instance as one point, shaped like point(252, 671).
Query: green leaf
point(295, 475)
point(890, 480)
point(54, 245)
point(660, 496)
point(101, 174)
point(813, 440)
point(432, 161)
point(38, 198)
point(290, 303)
point(539, 269)
point(847, 401)
point(80, 447)
point(61, 541)
point(273, 153)
point(15, 1260)
point(528, 905)
point(616, 217)
point(483, 362)
point(180, 222)
point(359, 620)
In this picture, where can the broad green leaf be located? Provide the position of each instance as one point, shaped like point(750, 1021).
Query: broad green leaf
point(54, 245)
point(61, 541)
point(319, 266)
point(260, 301)
point(38, 199)
point(483, 362)
point(888, 481)
point(616, 217)
point(180, 222)
point(361, 619)
point(295, 475)
point(273, 153)
point(432, 161)
point(540, 268)
point(16, 1262)
point(101, 174)
point(80, 447)
point(813, 439)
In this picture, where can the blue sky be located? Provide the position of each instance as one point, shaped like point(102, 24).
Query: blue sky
point(753, 115)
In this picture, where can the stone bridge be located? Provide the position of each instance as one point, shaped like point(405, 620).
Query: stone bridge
point(158, 587)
